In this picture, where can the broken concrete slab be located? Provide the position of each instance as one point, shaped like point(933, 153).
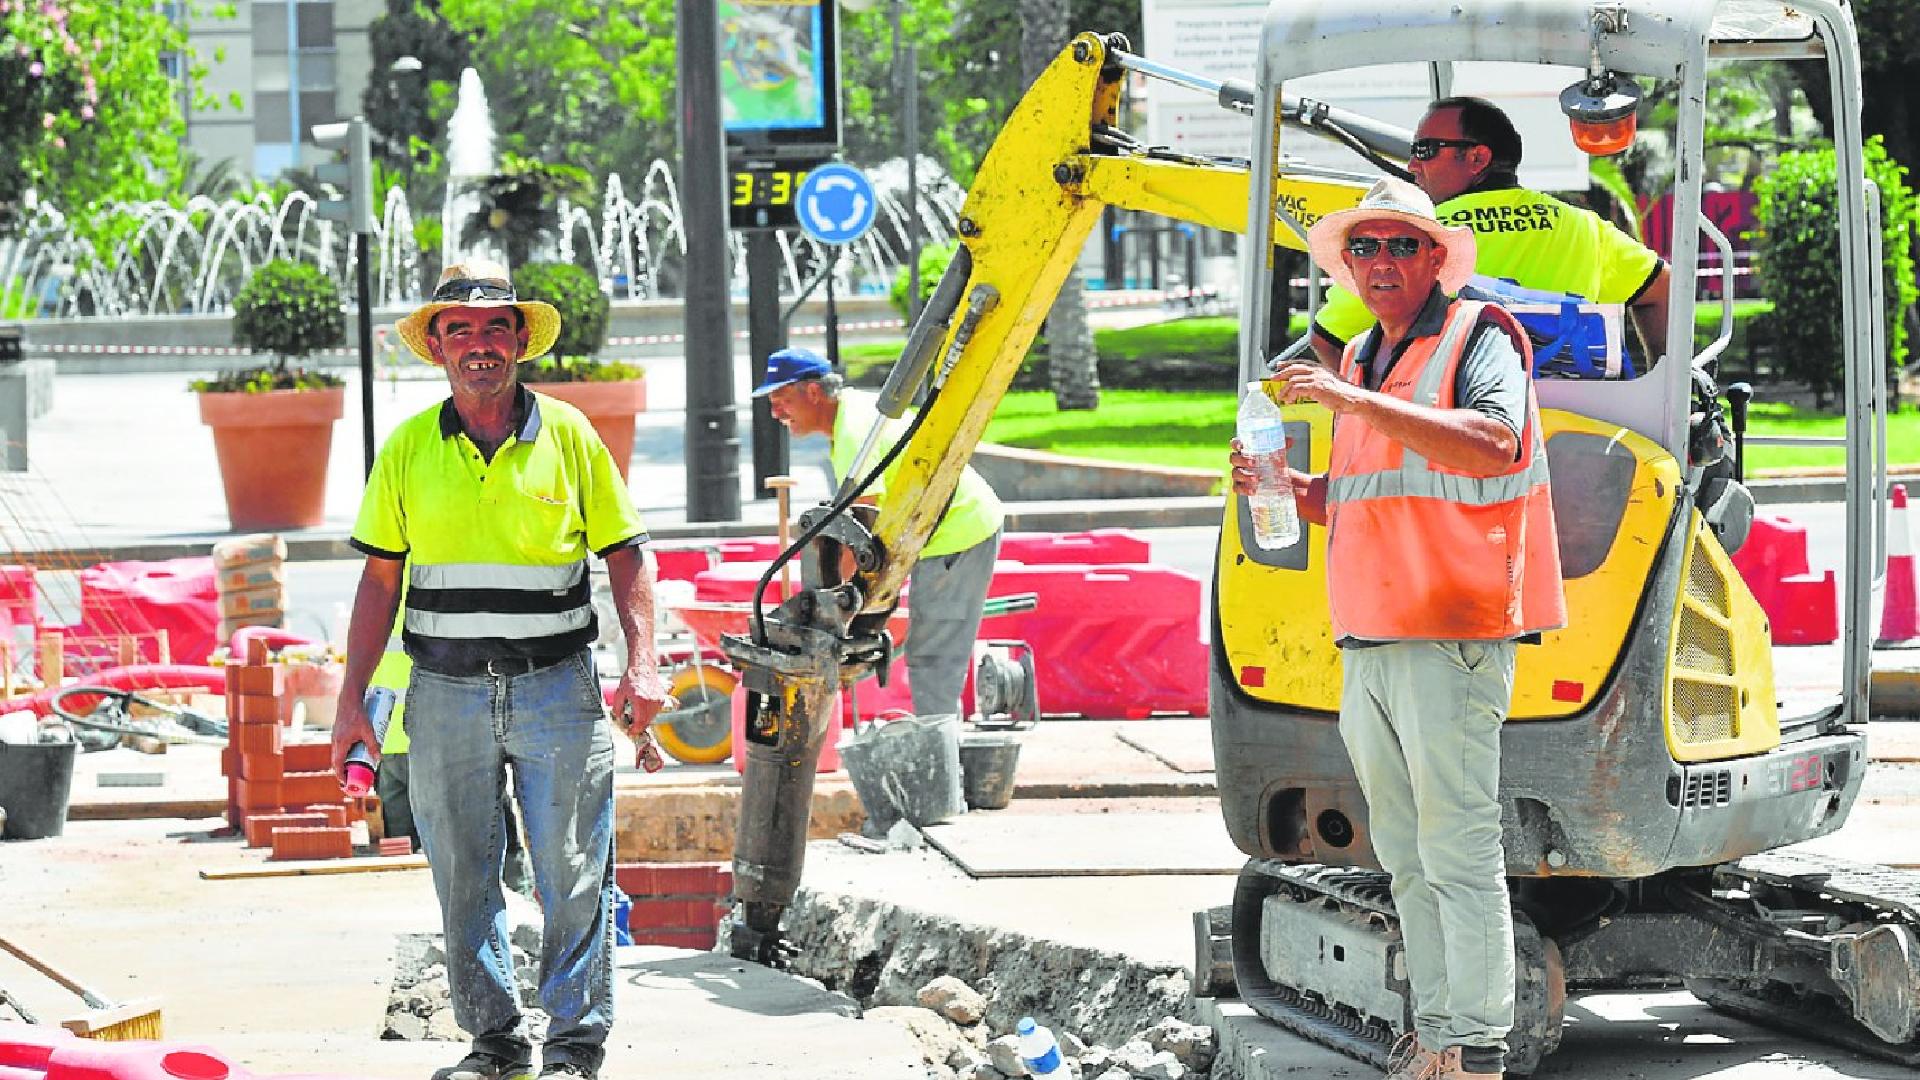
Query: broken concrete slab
point(1031, 843)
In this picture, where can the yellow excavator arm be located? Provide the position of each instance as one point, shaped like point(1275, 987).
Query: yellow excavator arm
point(1059, 160)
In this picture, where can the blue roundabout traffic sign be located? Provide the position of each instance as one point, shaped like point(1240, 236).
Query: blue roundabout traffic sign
point(836, 204)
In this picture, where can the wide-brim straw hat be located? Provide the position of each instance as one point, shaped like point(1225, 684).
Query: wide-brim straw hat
point(481, 283)
point(1391, 200)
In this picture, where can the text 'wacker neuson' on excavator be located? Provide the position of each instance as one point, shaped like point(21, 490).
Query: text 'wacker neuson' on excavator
point(1654, 768)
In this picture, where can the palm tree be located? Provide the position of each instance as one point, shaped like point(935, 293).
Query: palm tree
point(520, 206)
point(1071, 361)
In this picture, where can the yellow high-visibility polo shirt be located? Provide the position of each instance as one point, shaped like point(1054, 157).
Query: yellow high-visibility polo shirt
point(496, 550)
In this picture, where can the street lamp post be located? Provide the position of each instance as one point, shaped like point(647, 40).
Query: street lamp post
point(906, 72)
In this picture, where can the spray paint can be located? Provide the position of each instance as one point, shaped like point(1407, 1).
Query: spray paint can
point(379, 704)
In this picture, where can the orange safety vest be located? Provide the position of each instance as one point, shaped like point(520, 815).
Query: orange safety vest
point(1417, 550)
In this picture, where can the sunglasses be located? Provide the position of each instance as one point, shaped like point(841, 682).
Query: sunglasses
point(1400, 247)
point(470, 289)
point(1428, 149)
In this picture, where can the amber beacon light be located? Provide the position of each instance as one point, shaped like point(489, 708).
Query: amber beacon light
point(1602, 108)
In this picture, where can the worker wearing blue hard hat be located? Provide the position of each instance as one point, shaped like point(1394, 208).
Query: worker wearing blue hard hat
point(949, 582)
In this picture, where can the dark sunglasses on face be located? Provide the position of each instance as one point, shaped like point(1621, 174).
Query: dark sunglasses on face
point(469, 289)
point(1428, 149)
point(1400, 247)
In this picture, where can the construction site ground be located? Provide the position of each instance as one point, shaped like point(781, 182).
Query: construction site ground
point(290, 974)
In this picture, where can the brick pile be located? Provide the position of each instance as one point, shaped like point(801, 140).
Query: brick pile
point(677, 904)
point(280, 795)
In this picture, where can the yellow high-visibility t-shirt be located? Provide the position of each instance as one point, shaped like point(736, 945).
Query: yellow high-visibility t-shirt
point(1534, 240)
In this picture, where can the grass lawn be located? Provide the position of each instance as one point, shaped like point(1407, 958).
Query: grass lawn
point(1192, 429)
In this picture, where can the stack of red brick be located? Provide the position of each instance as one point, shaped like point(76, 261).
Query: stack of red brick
point(281, 795)
point(675, 903)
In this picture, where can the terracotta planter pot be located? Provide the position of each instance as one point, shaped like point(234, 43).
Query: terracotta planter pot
point(273, 451)
point(610, 407)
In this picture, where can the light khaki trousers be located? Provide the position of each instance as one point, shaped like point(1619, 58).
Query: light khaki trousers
point(1421, 720)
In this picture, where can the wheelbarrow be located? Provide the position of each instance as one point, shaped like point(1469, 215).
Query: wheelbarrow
point(700, 731)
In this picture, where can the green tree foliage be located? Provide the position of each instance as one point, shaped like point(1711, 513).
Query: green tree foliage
point(933, 264)
point(965, 55)
point(90, 115)
point(1889, 32)
point(408, 110)
point(586, 82)
point(1799, 251)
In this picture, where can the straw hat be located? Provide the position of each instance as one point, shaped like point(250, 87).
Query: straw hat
point(1391, 200)
point(481, 283)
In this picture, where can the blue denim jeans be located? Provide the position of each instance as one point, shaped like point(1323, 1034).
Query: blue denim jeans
point(552, 726)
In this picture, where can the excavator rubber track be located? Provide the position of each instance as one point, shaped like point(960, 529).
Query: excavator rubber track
point(1331, 1025)
point(1766, 896)
point(1814, 881)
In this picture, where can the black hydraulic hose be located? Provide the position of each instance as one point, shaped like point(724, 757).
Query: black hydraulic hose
point(839, 507)
point(1352, 142)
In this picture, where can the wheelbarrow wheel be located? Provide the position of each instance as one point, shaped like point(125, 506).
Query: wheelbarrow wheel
point(700, 731)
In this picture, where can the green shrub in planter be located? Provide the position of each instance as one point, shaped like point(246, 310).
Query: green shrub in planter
point(290, 310)
point(583, 308)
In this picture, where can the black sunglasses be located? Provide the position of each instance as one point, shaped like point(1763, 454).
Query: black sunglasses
point(1400, 247)
point(1428, 149)
point(470, 289)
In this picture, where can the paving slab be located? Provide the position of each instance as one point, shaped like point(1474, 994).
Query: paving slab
point(1183, 744)
point(1182, 837)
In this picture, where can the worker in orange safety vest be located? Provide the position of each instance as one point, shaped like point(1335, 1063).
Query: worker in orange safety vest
point(1441, 560)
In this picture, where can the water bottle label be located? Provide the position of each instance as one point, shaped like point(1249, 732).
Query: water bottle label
point(1265, 438)
point(1045, 1063)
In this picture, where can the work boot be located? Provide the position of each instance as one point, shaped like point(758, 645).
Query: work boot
point(1408, 1059)
point(567, 1070)
point(1447, 1065)
point(481, 1065)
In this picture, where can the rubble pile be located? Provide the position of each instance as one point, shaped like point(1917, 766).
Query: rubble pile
point(957, 1043)
point(882, 955)
point(419, 1004)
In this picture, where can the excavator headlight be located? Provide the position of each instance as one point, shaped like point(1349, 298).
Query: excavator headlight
point(1602, 112)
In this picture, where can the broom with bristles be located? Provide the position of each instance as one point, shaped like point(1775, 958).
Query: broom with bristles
point(105, 1020)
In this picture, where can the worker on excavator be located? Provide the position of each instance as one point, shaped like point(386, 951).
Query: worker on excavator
point(1466, 157)
point(1440, 560)
point(950, 580)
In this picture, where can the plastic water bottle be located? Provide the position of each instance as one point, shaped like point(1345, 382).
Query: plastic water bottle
point(1263, 436)
point(1038, 1050)
point(359, 779)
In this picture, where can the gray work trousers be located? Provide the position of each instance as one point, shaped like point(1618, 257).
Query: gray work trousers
point(948, 592)
point(1421, 720)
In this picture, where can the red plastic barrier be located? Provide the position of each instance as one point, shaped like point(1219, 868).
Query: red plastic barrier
point(749, 549)
point(1807, 610)
point(1097, 546)
point(178, 596)
point(1108, 641)
point(683, 564)
point(1803, 607)
point(134, 677)
point(19, 600)
point(34, 1052)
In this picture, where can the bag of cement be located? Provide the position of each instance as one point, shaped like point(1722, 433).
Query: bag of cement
point(244, 602)
point(243, 550)
point(907, 768)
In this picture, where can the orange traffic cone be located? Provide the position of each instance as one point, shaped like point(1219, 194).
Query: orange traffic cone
point(1900, 608)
